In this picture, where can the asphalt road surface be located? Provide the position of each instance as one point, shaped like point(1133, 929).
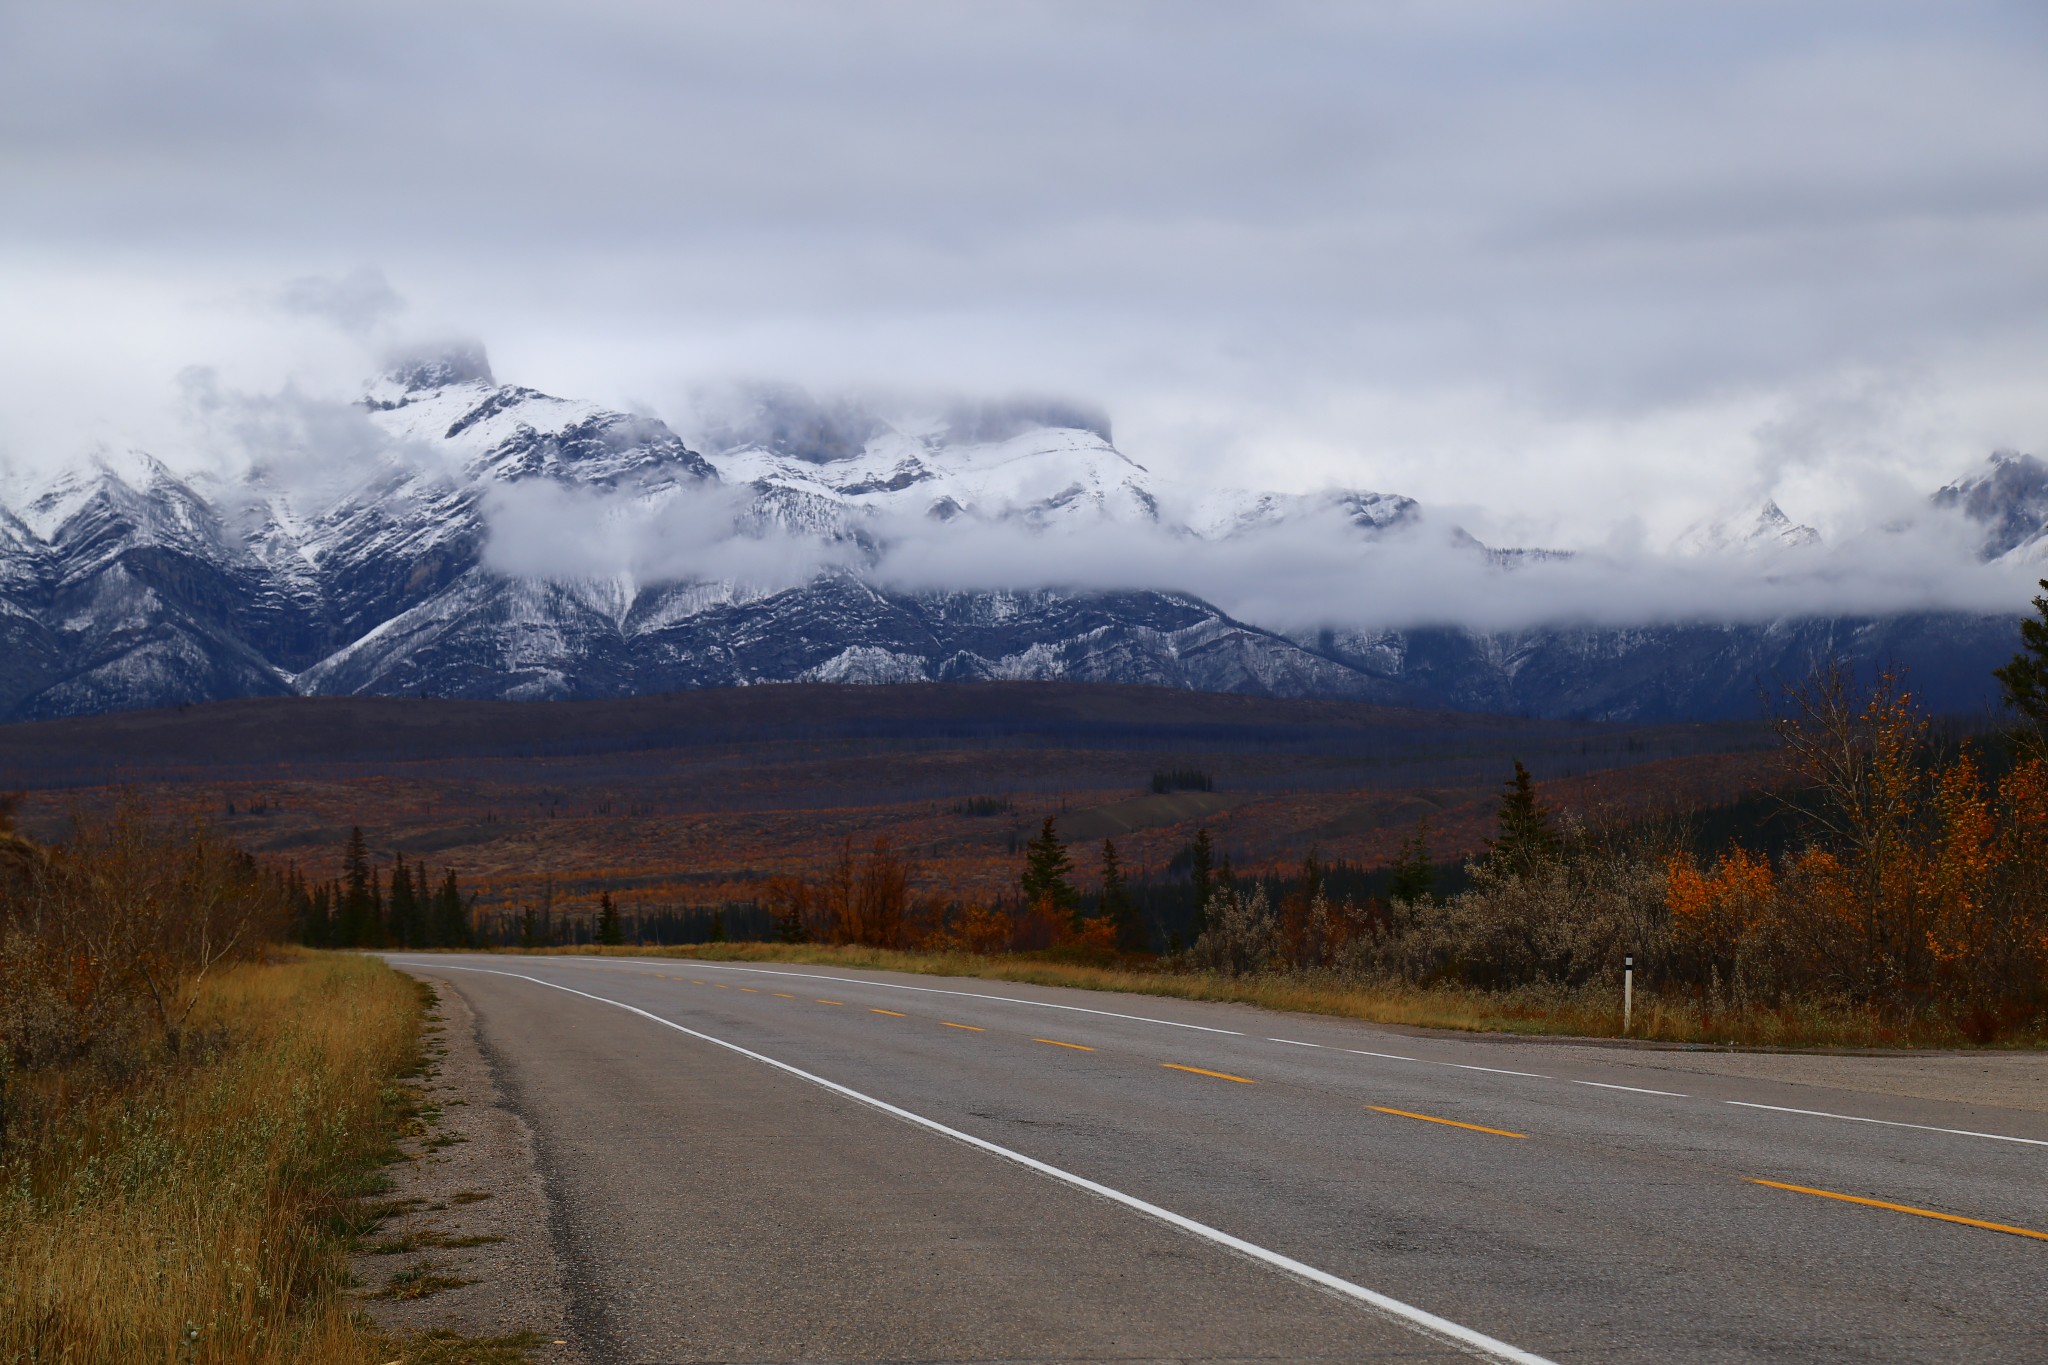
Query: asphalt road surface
point(779, 1162)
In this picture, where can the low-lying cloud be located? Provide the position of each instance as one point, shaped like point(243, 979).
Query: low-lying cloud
point(1313, 572)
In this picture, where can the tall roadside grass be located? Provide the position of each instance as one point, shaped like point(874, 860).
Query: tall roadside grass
point(1590, 1011)
point(196, 1207)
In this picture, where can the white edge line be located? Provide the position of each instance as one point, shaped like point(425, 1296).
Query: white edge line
point(1634, 1089)
point(1292, 1042)
point(1418, 1319)
point(1360, 1052)
point(1889, 1123)
point(934, 990)
point(1498, 1071)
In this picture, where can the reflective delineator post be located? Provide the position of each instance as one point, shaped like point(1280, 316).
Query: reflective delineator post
point(1628, 988)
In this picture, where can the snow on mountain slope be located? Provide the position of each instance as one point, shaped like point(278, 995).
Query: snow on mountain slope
point(124, 585)
point(2008, 504)
point(1042, 477)
point(1761, 529)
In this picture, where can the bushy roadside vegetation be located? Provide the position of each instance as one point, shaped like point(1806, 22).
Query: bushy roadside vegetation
point(195, 1116)
point(1907, 906)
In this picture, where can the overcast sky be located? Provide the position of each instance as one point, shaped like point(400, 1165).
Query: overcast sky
point(1577, 269)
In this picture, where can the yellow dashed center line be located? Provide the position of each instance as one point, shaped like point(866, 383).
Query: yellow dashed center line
point(1448, 1123)
point(971, 1028)
point(1057, 1043)
point(784, 995)
point(831, 1002)
point(750, 990)
point(1219, 1075)
point(1905, 1208)
point(893, 1013)
point(695, 982)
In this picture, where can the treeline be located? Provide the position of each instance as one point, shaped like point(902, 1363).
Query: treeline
point(106, 938)
point(360, 909)
point(1906, 878)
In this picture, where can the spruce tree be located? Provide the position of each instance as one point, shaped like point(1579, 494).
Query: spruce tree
point(354, 916)
point(610, 932)
point(2024, 681)
point(405, 910)
point(1048, 871)
point(716, 933)
point(450, 917)
point(1201, 872)
point(1117, 905)
point(1525, 838)
point(1414, 874)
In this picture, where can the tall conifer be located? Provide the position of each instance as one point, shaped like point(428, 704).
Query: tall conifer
point(1048, 870)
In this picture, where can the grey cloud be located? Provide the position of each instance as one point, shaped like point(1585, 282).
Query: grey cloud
point(358, 302)
point(1422, 246)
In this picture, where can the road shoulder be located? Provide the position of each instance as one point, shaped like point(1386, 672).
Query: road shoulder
point(468, 1249)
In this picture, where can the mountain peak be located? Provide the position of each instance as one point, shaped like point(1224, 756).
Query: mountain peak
point(2008, 500)
point(1764, 526)
point(457, 363)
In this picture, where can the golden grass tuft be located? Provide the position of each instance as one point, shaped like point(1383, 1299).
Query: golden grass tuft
point(199, 1210)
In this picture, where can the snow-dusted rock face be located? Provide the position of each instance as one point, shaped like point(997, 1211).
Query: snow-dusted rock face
point(2008, 503)
point(123, 585)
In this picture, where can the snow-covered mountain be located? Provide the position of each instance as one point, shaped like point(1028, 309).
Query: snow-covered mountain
point(123, 585)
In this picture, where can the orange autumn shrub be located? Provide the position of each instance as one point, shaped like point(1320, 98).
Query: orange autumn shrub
point(1922, 888)
point(1714, 912)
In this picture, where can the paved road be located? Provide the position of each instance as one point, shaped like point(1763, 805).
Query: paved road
point(729, 1186)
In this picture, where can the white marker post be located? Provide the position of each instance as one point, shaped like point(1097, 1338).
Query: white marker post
point(1628, 988)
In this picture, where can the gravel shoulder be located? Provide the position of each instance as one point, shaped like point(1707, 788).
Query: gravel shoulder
point(470, 1250)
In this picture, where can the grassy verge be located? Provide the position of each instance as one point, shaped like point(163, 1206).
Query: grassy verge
point(200, 1208)
point(1529, 1010)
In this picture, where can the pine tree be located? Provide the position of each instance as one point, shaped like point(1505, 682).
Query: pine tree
point(1414, 874)
point(2024, 681)
point(1525, 838)
point(1048, 870)
point(1201, 872)
point(717, 930)
point(406, 919)
point(1117, 905)
point(609, 931)
point(449, 917)
point(354, 913)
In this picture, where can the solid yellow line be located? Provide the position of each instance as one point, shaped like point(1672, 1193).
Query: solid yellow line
point(1057, 1043)
point(971, 1028)
point(784, 995)
point(1905, 1208)
point(1453, 1123)
point(831, 1002)
point(1219, 1075)
point(894, 1013)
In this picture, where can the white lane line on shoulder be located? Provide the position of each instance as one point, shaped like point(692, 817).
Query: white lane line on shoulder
point(970, 995)
point(1421, 1320)
point(1889, 1123)
point(1633, 1089)
point(1496, 1070)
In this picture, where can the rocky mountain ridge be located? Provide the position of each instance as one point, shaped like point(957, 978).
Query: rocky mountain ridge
point(124, 585)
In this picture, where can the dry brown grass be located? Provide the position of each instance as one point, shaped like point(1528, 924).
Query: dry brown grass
point(1591, 1012)
point(199, 1210)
